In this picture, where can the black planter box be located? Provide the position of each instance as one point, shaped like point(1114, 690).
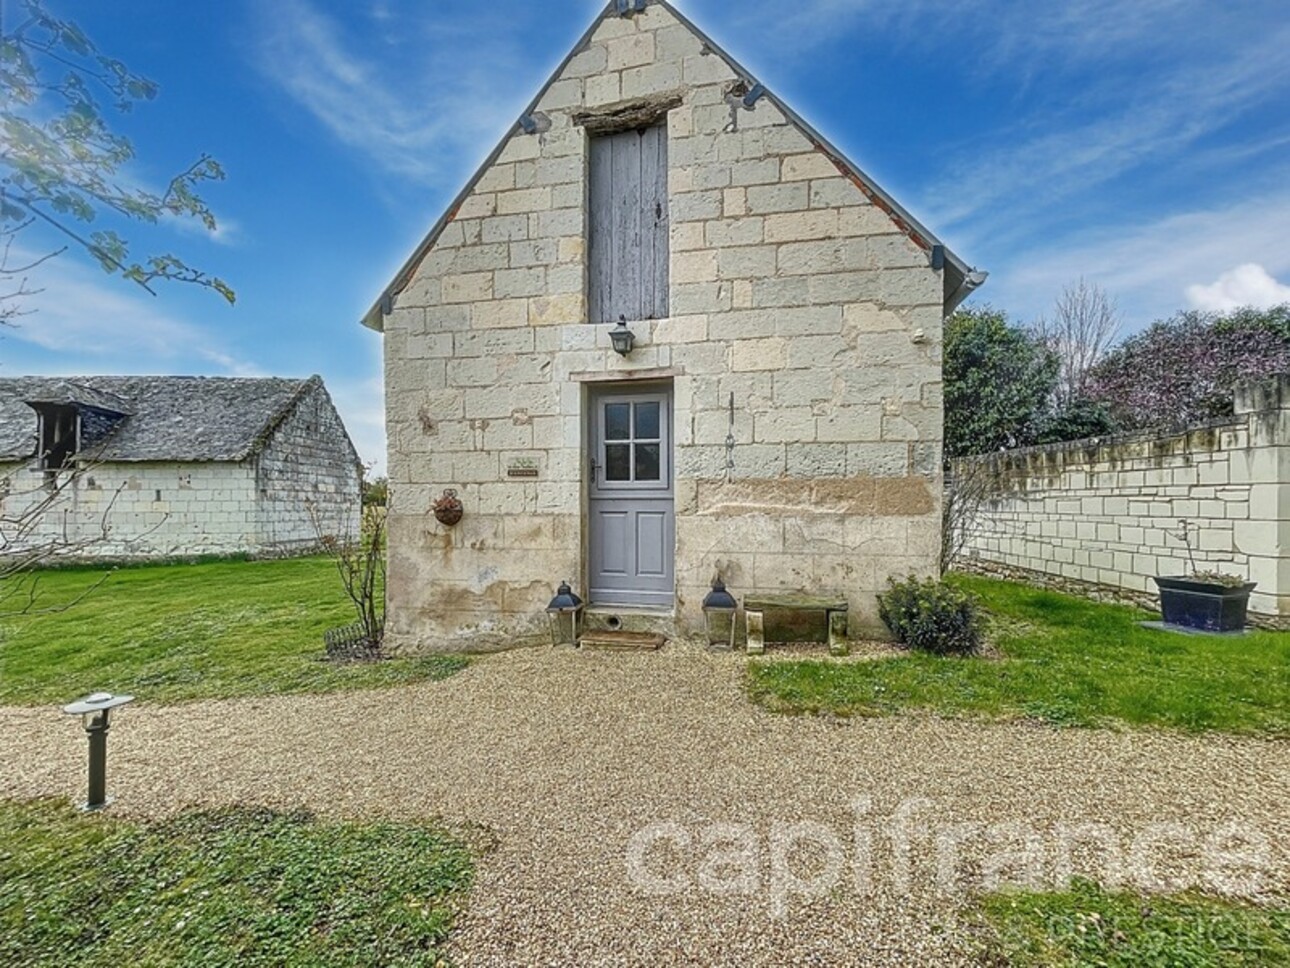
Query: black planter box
point(1204, 606)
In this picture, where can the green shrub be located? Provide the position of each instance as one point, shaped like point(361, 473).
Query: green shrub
point(931, 616)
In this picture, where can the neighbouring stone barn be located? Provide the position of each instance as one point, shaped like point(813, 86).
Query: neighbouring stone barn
point(777, 418)
point(129, 467)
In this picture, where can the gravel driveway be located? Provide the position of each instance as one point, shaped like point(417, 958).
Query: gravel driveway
point(740, 828)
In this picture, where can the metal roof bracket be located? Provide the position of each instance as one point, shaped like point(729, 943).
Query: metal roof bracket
point(740, 95)
point(535, 123)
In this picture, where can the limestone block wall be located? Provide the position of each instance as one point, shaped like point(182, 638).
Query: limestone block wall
point(309, 461)
point(181, 509)
point(788, 289)
point(1106, 514)
point(149, 509)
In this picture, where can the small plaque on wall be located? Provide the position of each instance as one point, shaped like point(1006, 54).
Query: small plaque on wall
point(522, 468)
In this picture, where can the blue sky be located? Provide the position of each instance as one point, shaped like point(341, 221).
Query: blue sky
point(1142, 144)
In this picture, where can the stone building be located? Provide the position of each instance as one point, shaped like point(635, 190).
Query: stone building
point(778, 418)
point(155, 467)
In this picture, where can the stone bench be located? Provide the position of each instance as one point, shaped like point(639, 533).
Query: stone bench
point(834, 609)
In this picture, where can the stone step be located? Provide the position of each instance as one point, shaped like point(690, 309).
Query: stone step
point(609, 641)
point(607, 618)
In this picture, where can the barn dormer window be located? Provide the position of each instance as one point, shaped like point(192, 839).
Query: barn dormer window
point(58, 432)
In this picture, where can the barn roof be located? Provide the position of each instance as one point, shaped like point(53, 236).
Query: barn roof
point(155, 418)
point(960, 278)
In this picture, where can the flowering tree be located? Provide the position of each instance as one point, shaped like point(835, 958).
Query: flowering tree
point(1183, 370)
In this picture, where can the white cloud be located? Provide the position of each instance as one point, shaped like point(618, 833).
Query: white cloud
point(1078, 99)
point(1149, 267)
point(1246, 285)
point(1002, 36)
point(227, 231)
point(1105, 132)
point(1049, 37)
point(106, 324)
point(422, 108)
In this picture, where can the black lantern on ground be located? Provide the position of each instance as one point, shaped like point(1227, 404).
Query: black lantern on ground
point(719, 611)
point(564, 614)
point(622, 337)
point(94, 711)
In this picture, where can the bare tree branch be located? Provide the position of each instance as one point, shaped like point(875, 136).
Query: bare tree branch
point(13, 278)
point(35, 531)
point(360, 563)
point(1084, 326)
point(94, 249)
point(970, 482)
point(39, 528)
point(61, 164)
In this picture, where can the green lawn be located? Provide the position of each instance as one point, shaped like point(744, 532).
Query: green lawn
point(1065, 661)
point(1088, 927)
point(171, 633)
point(228, 888)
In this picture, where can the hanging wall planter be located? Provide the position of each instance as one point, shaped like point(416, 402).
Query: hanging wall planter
point(447, 508)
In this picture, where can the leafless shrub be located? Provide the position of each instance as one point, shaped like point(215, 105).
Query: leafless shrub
point(360, 563)
point(38, 527)
point(969, 485)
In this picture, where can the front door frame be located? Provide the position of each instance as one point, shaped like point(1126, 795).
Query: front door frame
point(594, 394)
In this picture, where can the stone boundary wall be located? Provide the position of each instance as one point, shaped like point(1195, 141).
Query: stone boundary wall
point(1102, 516)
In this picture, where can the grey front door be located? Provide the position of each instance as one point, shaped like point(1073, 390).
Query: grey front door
point(632, 523)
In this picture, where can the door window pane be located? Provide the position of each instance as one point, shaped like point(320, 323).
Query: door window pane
point(647, 463)
point(618, 421)
point(618, 462)
point(647, 415)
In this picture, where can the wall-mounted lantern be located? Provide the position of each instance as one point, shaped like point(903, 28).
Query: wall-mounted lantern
point(94, 711)
point(719, 616)
point(622, 337)
point(564, 614)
